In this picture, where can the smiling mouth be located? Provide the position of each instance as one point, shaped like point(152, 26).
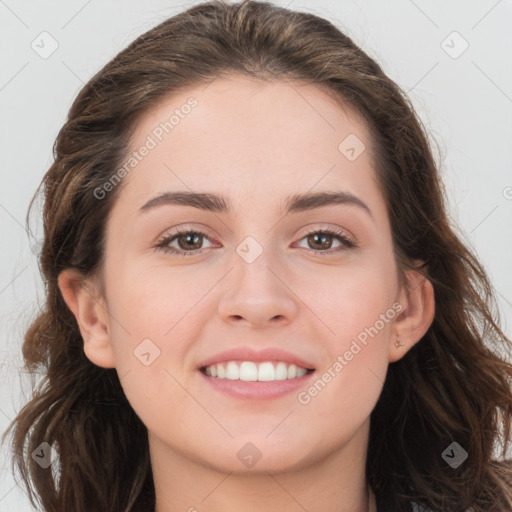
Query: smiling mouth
point(250, 371)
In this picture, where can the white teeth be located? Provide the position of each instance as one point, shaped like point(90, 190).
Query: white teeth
point(301, 372)
point(232, 372)
point(281, 371)
point(250, 371)
point(266, 372)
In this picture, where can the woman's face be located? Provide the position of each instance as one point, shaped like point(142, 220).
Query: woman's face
point(259, 285)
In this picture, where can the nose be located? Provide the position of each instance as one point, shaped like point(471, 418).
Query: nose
point(257, 293)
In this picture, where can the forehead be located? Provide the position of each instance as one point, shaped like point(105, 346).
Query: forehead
point(241, 134)
point(243, 106)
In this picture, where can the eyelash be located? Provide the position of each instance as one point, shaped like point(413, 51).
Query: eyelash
point(163, 244)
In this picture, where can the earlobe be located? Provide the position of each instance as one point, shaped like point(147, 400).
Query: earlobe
point(89, 309)
point(418, 310)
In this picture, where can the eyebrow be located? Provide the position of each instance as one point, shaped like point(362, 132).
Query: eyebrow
point(219, 204)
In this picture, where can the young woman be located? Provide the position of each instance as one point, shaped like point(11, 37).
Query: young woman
point(255, 300)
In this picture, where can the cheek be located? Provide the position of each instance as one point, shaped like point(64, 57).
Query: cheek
point(152, 300)
point(157, 313)
point(352, 298)
point(349, 384)
point(359, 312)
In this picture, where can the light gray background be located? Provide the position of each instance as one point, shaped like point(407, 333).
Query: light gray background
point(465, 103)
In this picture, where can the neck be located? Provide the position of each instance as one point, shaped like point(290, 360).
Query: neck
point(335, 483)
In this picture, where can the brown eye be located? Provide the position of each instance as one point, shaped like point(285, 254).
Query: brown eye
point(189, 241)
point(320, 241)
point(183, 243)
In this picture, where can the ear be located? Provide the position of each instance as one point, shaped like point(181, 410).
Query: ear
point(416, 298)
point(86, 303)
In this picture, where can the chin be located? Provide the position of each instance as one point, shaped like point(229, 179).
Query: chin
point(259, 457)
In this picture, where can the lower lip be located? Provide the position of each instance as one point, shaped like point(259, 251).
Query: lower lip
point(257, 390)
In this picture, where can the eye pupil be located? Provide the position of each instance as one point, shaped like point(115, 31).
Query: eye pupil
point(318, 238)
point(190, 238)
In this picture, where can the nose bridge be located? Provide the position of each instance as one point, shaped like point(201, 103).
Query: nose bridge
point(257, 263)
point(256, 291)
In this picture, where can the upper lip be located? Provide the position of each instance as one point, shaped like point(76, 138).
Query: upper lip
point(249, 354)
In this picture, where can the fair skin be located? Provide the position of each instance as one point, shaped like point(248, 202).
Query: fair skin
point(255, 143)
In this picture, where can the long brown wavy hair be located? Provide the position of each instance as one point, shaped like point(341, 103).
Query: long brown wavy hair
point(452, 386)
